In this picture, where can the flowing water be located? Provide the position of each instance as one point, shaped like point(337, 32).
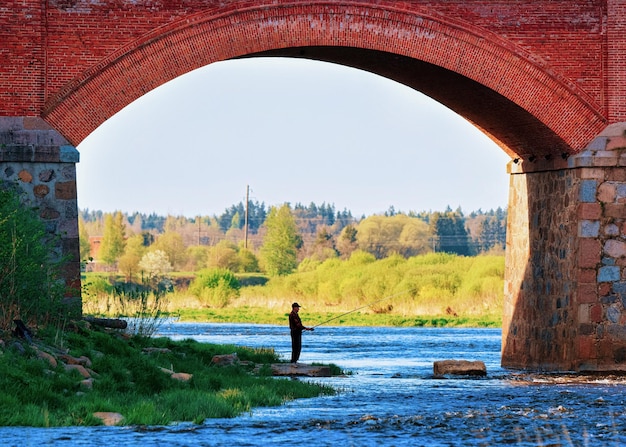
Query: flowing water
point(390, 398)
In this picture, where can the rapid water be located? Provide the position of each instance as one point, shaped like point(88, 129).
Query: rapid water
point(390, 398)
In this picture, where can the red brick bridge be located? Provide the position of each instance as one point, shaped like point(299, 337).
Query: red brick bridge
point(545, 79)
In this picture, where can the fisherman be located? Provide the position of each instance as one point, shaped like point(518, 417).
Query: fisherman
point(296, 327)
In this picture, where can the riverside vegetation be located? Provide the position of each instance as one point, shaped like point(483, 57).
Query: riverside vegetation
point(132, 370)
point(130, 378)
point(435, 289)
point(44, 367)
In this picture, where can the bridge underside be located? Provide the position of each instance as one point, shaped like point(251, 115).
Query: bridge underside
point(515, 130)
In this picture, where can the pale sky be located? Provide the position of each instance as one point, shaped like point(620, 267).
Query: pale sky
point(295, 131)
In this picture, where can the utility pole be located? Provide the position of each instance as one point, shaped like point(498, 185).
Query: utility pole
point(245, 231)
point(198, 230)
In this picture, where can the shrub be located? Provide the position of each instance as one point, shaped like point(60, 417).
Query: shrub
point(30, 288)
point(215, 287)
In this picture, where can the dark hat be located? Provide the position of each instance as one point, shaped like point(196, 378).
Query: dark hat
point(295, 305)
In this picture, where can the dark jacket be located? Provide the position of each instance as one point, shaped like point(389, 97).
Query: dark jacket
point(295, 324)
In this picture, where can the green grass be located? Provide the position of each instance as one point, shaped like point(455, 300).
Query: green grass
point(264, 316)
point(129, 381)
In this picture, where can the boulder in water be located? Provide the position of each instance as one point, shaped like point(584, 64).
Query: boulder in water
point(443, 368)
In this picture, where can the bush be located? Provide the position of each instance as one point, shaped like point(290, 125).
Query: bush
point(215, 287)
point(30, 284)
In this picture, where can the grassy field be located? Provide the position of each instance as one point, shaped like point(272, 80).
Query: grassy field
point(429, 290)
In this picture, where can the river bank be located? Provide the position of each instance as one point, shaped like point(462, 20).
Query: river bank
point(260, 315)
point(68, 377)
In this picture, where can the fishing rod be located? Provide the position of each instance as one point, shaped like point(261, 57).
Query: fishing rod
point(363, 307)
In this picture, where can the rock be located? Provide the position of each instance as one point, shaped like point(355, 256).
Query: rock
point(459, 367)
point(224, 360)
point(80, 368)
point(182, 377)
point(47, 357)
point(288, 369)
point(109, 418)
point(151, 350)
point(82, 360)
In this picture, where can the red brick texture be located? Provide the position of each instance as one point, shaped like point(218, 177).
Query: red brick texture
point(540, 65)
point(545, 79)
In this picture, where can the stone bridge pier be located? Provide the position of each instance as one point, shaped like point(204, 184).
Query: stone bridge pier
point(42, 163)
point(565, 280)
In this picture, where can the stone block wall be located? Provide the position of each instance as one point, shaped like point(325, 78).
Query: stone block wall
point(565, 297)
point(42, 163)
point(539, 323)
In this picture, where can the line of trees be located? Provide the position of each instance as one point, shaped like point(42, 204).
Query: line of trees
point(280, 238)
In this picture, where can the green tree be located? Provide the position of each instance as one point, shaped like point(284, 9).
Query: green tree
point(128, 263)
point(247, 261)
point(223, 256)
point(281, 242)
point(171, 243)
point(113, 239)
point(30, 289)
point(196, 257)
point(450, 233)
point(415, 236)
point(394, 233)
point(83, 240)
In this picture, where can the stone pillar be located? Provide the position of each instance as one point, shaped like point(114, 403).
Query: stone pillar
point(565, 280)
point(43, 164)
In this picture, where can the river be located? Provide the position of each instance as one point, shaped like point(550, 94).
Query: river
point(389, 398)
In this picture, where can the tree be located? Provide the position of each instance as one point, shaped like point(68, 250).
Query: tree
point(347, 242)
point(156, 266)
point(450, 233)
point(113, 239)
point(128, 263)
point(172, 244)
point(414, 238)
point(83, 240)
point(247, 262)
point(400, 234)
point(223, 256)
point(281, 242)
point(324, 245)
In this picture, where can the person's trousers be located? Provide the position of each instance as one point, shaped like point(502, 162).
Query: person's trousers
point(296, 345)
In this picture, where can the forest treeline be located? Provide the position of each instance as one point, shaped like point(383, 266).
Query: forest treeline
point(277, 240)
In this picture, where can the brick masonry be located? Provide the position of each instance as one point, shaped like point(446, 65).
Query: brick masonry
point(543, 65)
point(543, 79)
point(565, 291)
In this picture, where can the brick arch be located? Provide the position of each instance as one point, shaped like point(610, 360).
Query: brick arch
point(526, 108)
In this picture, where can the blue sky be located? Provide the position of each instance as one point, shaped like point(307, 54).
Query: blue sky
point(295, 131)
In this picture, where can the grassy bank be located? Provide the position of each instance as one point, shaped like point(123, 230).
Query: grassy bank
point(132, 376)
point(258, 315)
point(437, 289)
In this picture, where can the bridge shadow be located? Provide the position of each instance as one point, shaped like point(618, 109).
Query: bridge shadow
point(540, 319)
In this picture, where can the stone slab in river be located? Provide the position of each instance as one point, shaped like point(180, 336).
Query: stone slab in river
point(287, 369)
point(459, 367)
